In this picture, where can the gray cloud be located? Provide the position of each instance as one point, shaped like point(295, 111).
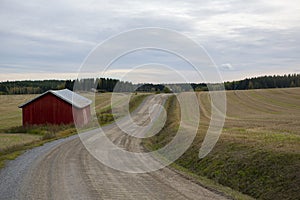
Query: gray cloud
point(256, 37)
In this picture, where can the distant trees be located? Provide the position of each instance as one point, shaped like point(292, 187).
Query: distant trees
point(37, 87)
point(109, 85)
point(69, 84)
point(30, 87)
point(285, 81)
point(167, 90)
point(149, 87)
point(103, 85)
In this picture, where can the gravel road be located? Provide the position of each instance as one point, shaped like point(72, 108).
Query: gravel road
point(64, 169)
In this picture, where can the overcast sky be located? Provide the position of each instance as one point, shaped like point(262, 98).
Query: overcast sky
point(51, 39)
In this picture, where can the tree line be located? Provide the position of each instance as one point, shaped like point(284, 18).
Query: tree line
point(262, 82)
point(110, 85)
point(37, 86)
point(285, 81)
point(30, 87)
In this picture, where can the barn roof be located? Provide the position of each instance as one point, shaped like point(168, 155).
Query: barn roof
point(70, 97)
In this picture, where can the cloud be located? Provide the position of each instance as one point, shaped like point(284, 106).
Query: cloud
point(155, 73)
point(37, 76)
point(226, 67)
point(55, 36)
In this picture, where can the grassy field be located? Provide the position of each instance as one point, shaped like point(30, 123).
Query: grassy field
point(11, 115)
point(258, 152)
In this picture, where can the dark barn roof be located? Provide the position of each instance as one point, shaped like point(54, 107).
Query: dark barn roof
point(70, 97)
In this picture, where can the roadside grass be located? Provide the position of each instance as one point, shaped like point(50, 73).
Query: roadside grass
point(210, 184)
point(258, 153)
point(9, 140)
point(105, 115)
point(18, 139)
point(136, 100)
point(46, 131)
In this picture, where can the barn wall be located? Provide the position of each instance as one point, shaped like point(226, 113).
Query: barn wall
point(82, 116)
point(47, 109)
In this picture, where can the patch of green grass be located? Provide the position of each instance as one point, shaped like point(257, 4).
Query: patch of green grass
point(259, 173)
point(46, 131)
point(9, 156)
point(210, 184)
point(105, 118)
point(136, 100)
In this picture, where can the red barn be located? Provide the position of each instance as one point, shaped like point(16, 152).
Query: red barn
point(57, 107)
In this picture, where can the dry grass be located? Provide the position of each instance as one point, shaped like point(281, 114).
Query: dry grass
point(258, 152)
point(10, 114)
point(9, 140)
point(12, 145)
point(269, 118)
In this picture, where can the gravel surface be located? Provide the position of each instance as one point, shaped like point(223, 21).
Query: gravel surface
point(13, 174)
point(64, 169)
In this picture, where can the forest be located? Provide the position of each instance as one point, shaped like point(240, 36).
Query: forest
point(110, 85)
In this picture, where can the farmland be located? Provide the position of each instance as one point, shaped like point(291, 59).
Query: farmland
point(14, 138)
point(11, 115)
point(258, 152)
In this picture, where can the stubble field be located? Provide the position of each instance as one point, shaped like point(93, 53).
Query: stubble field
point(258, 152)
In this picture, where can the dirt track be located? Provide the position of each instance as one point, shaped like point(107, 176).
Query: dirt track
point(64, 169)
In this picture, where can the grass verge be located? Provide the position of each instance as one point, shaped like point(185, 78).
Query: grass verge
point(38, 134)
point(105, 115)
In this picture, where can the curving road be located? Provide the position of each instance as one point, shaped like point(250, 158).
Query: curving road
point(64, 169)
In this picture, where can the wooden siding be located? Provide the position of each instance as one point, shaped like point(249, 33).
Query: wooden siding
point(82, 116)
